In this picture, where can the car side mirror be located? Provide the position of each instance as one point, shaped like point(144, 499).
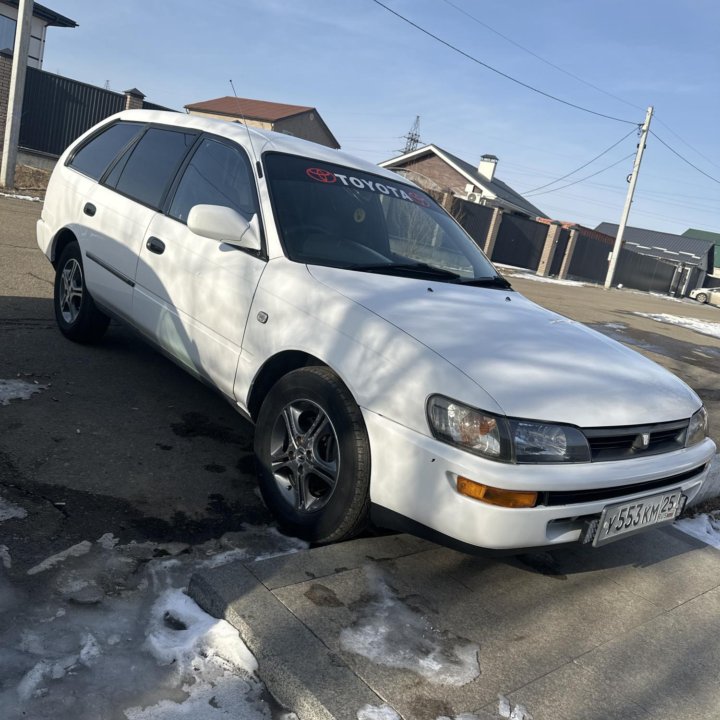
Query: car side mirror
point(224, 224)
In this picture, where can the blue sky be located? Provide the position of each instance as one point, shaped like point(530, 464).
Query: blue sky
point(369, 74)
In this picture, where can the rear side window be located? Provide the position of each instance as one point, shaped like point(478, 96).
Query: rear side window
point(93, 158)
point(151, 165)
point(217, 174)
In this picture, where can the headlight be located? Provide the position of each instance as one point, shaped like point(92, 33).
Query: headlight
point(697, 427)
point(473, 430)
point(540, 442)
point(499, 438)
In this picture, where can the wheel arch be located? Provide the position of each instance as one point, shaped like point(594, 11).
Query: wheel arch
point(61, 240)
point(272, 370)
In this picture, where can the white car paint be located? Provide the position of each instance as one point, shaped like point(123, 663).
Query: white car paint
point(394, 341)
point(712, 295)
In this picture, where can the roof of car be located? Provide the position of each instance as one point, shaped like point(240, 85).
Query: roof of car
point(262, 140)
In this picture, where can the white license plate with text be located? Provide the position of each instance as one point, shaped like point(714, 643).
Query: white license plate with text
point(629, 517)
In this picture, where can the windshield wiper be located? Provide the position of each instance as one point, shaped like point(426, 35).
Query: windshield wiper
point(495, 281)
point(400, 268)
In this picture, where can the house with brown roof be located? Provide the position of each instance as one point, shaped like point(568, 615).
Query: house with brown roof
point(433, 168)
point(297, 120)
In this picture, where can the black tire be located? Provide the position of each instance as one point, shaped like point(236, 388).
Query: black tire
point(701, 297)
point(76, 315)
point(298, 489)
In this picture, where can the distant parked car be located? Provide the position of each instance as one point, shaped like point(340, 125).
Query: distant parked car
point(706, 295)
point(390, 371)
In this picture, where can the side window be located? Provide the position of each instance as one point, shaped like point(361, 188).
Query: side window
point(217, 174)
point(100, 151)
point(152, 164)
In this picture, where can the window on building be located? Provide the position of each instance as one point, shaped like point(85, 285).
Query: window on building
point(7, 33)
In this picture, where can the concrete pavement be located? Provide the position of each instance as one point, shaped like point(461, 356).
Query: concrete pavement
point(625, 631)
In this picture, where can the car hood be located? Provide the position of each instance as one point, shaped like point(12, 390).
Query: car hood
point(533, 362)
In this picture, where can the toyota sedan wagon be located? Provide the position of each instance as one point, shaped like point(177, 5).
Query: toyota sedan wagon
point(391, 373)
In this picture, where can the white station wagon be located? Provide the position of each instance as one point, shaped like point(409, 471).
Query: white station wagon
point(391, 373)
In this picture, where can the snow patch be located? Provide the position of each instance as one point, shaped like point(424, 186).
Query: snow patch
point(82, 548)
point(704, 327)
point(506, 709)
point(180, 632)
point(524, 274)
point(18, 390)
point(5, 557)
point(377, 712)
point(390, 633)
point(8, 511)
point(15, 196)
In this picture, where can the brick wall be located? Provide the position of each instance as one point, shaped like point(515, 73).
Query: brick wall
point(438, 170)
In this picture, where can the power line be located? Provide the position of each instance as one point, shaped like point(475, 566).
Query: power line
point(589, 162)
point(685, 142)
point(499, 72)
point(684, 159)
point(587, 177)
point(539, 57)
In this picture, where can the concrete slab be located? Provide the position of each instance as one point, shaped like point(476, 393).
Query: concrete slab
point(627, 630)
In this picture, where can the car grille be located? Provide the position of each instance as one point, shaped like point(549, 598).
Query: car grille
point(569, 497)
point(621, 443)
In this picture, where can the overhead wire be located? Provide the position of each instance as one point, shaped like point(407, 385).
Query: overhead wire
point(683, 158)
point(539, 57)
point(587, 177)
point(584, 165)
point(500, 72)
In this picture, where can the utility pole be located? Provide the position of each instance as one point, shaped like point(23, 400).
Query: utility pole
point(644, 130)
point(412, 139)
point(17, 89)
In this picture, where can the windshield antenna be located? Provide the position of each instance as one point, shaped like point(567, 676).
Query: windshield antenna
point(244, 122)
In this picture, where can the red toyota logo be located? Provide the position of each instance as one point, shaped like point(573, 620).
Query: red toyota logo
point(323, 176)
point(418, 199)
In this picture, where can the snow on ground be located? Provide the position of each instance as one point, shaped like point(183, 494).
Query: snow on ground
point(15, 196)
point(104, 630)
point(506, 709)
point(524, 274)
point(704, 327)
point(377, 712)
point(389, 632)
point(8, 511)
point(705, 526)
point(18, 390)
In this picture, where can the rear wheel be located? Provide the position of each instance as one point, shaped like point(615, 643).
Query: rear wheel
point(75, 312)
point(314, 456)
point(701, 297)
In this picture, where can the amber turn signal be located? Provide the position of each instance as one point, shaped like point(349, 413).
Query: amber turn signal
point(496, 496)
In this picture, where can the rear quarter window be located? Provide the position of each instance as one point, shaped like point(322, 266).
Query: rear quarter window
point(93, 158)
point(149, 168)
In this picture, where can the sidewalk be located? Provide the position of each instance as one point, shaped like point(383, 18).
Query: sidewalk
point(625, 631)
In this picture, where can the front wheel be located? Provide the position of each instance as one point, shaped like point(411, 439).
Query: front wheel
point(75, 312)
point(701, 297)
point(314, 456)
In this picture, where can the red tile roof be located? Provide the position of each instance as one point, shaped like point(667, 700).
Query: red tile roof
point(249, 109)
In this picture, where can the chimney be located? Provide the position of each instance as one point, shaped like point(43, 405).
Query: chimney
point(133, 99)
point(487, 166)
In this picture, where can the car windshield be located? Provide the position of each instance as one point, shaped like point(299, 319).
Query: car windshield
point(342, 217)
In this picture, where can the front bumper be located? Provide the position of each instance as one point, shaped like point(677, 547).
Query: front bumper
point(415, 476)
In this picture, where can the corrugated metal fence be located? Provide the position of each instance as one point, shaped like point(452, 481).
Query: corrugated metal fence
point(56, 110)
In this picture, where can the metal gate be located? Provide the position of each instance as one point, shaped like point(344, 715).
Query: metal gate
point(520, 242)
point(590, 258)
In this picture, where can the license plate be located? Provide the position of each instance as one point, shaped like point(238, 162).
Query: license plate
point(630, 517)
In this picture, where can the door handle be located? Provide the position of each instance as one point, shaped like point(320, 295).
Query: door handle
point(89, 209)
point(155, 245)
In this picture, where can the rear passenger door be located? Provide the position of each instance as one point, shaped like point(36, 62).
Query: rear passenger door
point(193, 294)
point(121, 207)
